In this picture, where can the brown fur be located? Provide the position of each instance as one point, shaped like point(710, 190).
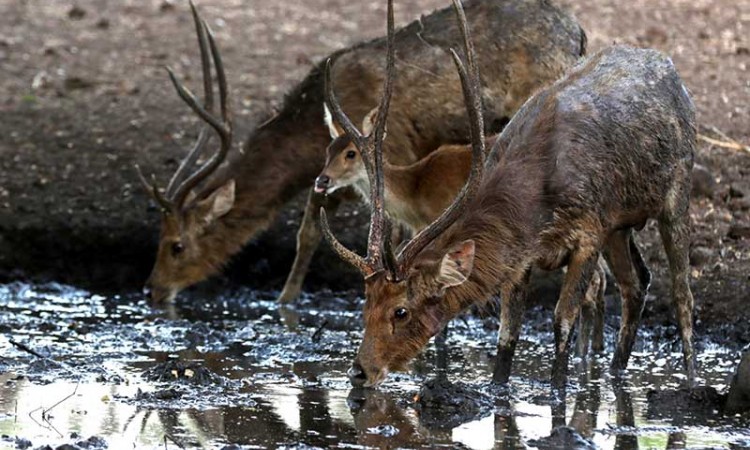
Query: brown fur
point(415, 194)
point(584, 161)
point(523, 44)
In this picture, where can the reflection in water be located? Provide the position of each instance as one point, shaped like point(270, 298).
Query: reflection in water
point(294, 388)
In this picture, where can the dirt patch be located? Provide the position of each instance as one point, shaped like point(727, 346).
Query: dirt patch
point(84, 97)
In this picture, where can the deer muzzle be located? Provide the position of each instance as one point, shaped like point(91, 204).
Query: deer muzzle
point(322, 183)
point(359, 377)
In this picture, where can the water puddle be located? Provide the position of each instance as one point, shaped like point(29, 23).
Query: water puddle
point(240, 370)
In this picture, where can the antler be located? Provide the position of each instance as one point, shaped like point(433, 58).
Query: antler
point(471, 85)
point(181, 183)
point(371, 149)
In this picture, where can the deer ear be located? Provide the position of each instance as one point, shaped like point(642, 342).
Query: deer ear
point(333, 128)
point(368, 123)
point(218, 204)
point(456, 265)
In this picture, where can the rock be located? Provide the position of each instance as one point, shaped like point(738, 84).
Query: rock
point(164, 394)
point(76, 13)
point(94, 442)
point(166, 5)
point(685, 406)
point(739, 231)
point(22, 443)
point(74, 83)
point(704, 183)
point(654, 36)
point(384, 430)
point(443, 405)
point(738, 399)
point(699, 256)
point(736, 192)
point(67, 447)
point(563, 437)
point(175, 371)
point(739, 204)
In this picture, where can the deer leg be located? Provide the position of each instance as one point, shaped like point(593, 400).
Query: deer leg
point(308, 239)
point(589, 315)
point(575, 285)
point(675, 234)
point(512, 307)
point(597, 343)
point(633, 278)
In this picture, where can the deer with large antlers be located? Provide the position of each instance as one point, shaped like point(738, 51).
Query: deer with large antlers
point(209, 216)
point(583, 163)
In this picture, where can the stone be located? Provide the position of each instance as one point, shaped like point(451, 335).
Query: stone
point(704, 183)
point(738, 399)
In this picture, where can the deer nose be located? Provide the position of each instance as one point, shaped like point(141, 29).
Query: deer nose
point(356, 375)
point(321, 183)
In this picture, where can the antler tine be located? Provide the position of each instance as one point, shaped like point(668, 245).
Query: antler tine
point(223, 128)
point(372, 156)
point(370, 147)
point(338, 113)
point(208, 102)
point(153, 190)
point(470, 83)
point(343, 252)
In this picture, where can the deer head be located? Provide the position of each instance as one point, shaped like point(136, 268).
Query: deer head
point(403, 307)
point(190, 225)
point(344, 166)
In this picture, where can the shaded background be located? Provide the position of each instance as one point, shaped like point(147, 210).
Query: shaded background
point(83, 96)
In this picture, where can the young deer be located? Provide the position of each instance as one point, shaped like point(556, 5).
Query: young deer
point(583, 163)
point(524, 44)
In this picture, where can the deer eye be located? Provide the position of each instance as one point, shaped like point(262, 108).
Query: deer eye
point(351, 154)
point(400, 313)
point(177, 248)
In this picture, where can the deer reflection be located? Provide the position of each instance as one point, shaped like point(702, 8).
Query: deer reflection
point(380, 422)
point(507, 436)
point(587, 401)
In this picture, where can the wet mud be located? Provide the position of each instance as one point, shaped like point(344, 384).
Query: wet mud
point(239, 370)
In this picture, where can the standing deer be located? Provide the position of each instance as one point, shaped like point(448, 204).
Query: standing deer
point(583, 163)
point(524, 44)
point(417, 194)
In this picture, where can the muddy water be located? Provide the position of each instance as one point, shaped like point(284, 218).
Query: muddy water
point(240, 370)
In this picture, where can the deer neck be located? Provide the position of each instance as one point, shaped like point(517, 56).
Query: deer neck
point(400, 186)
point(504, 220)
point(277, 162)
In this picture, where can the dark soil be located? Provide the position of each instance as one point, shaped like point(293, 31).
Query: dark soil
point(83, 96)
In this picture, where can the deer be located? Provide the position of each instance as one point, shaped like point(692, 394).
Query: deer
point(416, 194)
point(209, 212)
point(581, 166)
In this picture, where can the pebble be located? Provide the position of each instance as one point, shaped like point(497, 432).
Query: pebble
point(699, 256)
point(739, 231)
point(704, 184)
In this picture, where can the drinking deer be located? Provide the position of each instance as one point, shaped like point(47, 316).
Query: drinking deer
point(524, 44)
point(583, 163)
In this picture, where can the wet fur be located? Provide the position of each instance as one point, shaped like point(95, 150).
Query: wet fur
point(606, 148)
